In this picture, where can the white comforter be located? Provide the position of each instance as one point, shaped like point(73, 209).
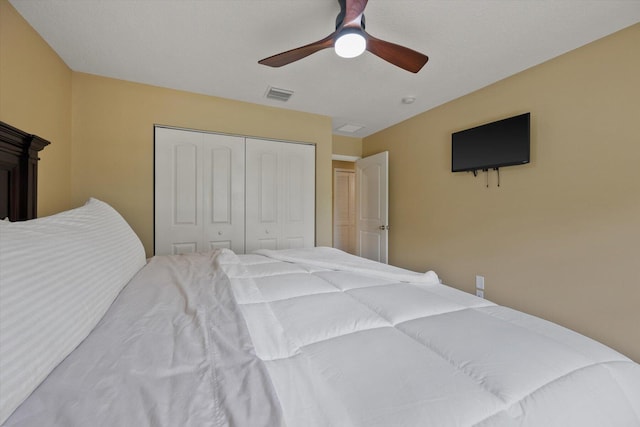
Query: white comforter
point(317, 338)
point(346, 349)
point(173, 350)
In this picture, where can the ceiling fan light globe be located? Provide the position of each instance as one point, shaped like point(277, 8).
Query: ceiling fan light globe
point(350, 45)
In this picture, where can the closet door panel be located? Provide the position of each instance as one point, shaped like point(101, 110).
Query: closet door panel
point(292, 243)
point(267, 244)
point(185, 172)
point(294, 182)
point(297, 206)
point(223, 157)
point(261, 194)
point(280, 195)
point(220, 186)
point(178, 192)
point(183, 248)
point(268, 187)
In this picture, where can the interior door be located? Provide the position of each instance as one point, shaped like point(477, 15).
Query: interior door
point(280, 195)
point(178, 192)
point(372, 209)
point(344, 210)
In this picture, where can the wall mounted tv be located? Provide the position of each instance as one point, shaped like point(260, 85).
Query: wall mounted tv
point(492, 145)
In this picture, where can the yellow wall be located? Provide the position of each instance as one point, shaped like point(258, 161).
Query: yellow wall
point(35, 96)
point(113, 142)
point(560, 238)
point(347, 146)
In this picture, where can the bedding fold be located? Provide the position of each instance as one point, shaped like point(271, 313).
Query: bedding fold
point(335, 259)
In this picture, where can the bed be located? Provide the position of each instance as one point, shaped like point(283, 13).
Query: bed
point(18, 172)
point(94, 334)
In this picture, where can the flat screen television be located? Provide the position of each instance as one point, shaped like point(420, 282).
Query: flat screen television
point(492, 145)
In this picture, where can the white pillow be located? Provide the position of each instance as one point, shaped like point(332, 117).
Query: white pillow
point(58, 276)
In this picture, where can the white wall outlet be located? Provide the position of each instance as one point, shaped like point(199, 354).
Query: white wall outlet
point(480, 282)
point(479, 293)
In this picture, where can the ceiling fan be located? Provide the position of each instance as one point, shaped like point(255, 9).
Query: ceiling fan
point(350, 40)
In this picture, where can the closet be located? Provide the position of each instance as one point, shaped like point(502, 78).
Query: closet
point(225, 191)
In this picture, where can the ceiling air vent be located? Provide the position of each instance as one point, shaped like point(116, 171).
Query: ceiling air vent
point(349, 128)
point(279, 94)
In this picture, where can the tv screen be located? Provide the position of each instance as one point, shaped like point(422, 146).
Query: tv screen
point(493, 145)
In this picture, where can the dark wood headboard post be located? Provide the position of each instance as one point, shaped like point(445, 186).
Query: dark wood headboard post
point(19, 173)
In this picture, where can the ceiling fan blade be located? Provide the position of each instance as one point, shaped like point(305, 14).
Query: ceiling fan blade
point(293, 55)
point(399, 56)
point(353, 10)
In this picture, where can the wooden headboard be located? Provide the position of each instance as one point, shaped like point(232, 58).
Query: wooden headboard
point(18, 173)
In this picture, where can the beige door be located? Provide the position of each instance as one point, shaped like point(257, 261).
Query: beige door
point(344, 210)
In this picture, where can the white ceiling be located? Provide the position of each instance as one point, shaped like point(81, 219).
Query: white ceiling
point(212, 47)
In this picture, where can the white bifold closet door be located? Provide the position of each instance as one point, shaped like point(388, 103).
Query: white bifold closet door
point(199, 191)
point(222, 191)
point(280, 195)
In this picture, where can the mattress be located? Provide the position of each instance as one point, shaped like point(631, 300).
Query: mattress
point(321, 338)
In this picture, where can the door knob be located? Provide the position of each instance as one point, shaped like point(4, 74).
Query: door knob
point(384, 227)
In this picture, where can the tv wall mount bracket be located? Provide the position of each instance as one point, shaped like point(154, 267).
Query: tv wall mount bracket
point(486, 171)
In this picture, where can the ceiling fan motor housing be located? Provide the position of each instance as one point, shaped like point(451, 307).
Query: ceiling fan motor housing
point(340, 19)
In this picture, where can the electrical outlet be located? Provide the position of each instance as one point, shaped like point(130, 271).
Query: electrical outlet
point(480, 282)
point(479, 293)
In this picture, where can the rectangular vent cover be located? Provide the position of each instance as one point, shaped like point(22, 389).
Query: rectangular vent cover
point(279, 94)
